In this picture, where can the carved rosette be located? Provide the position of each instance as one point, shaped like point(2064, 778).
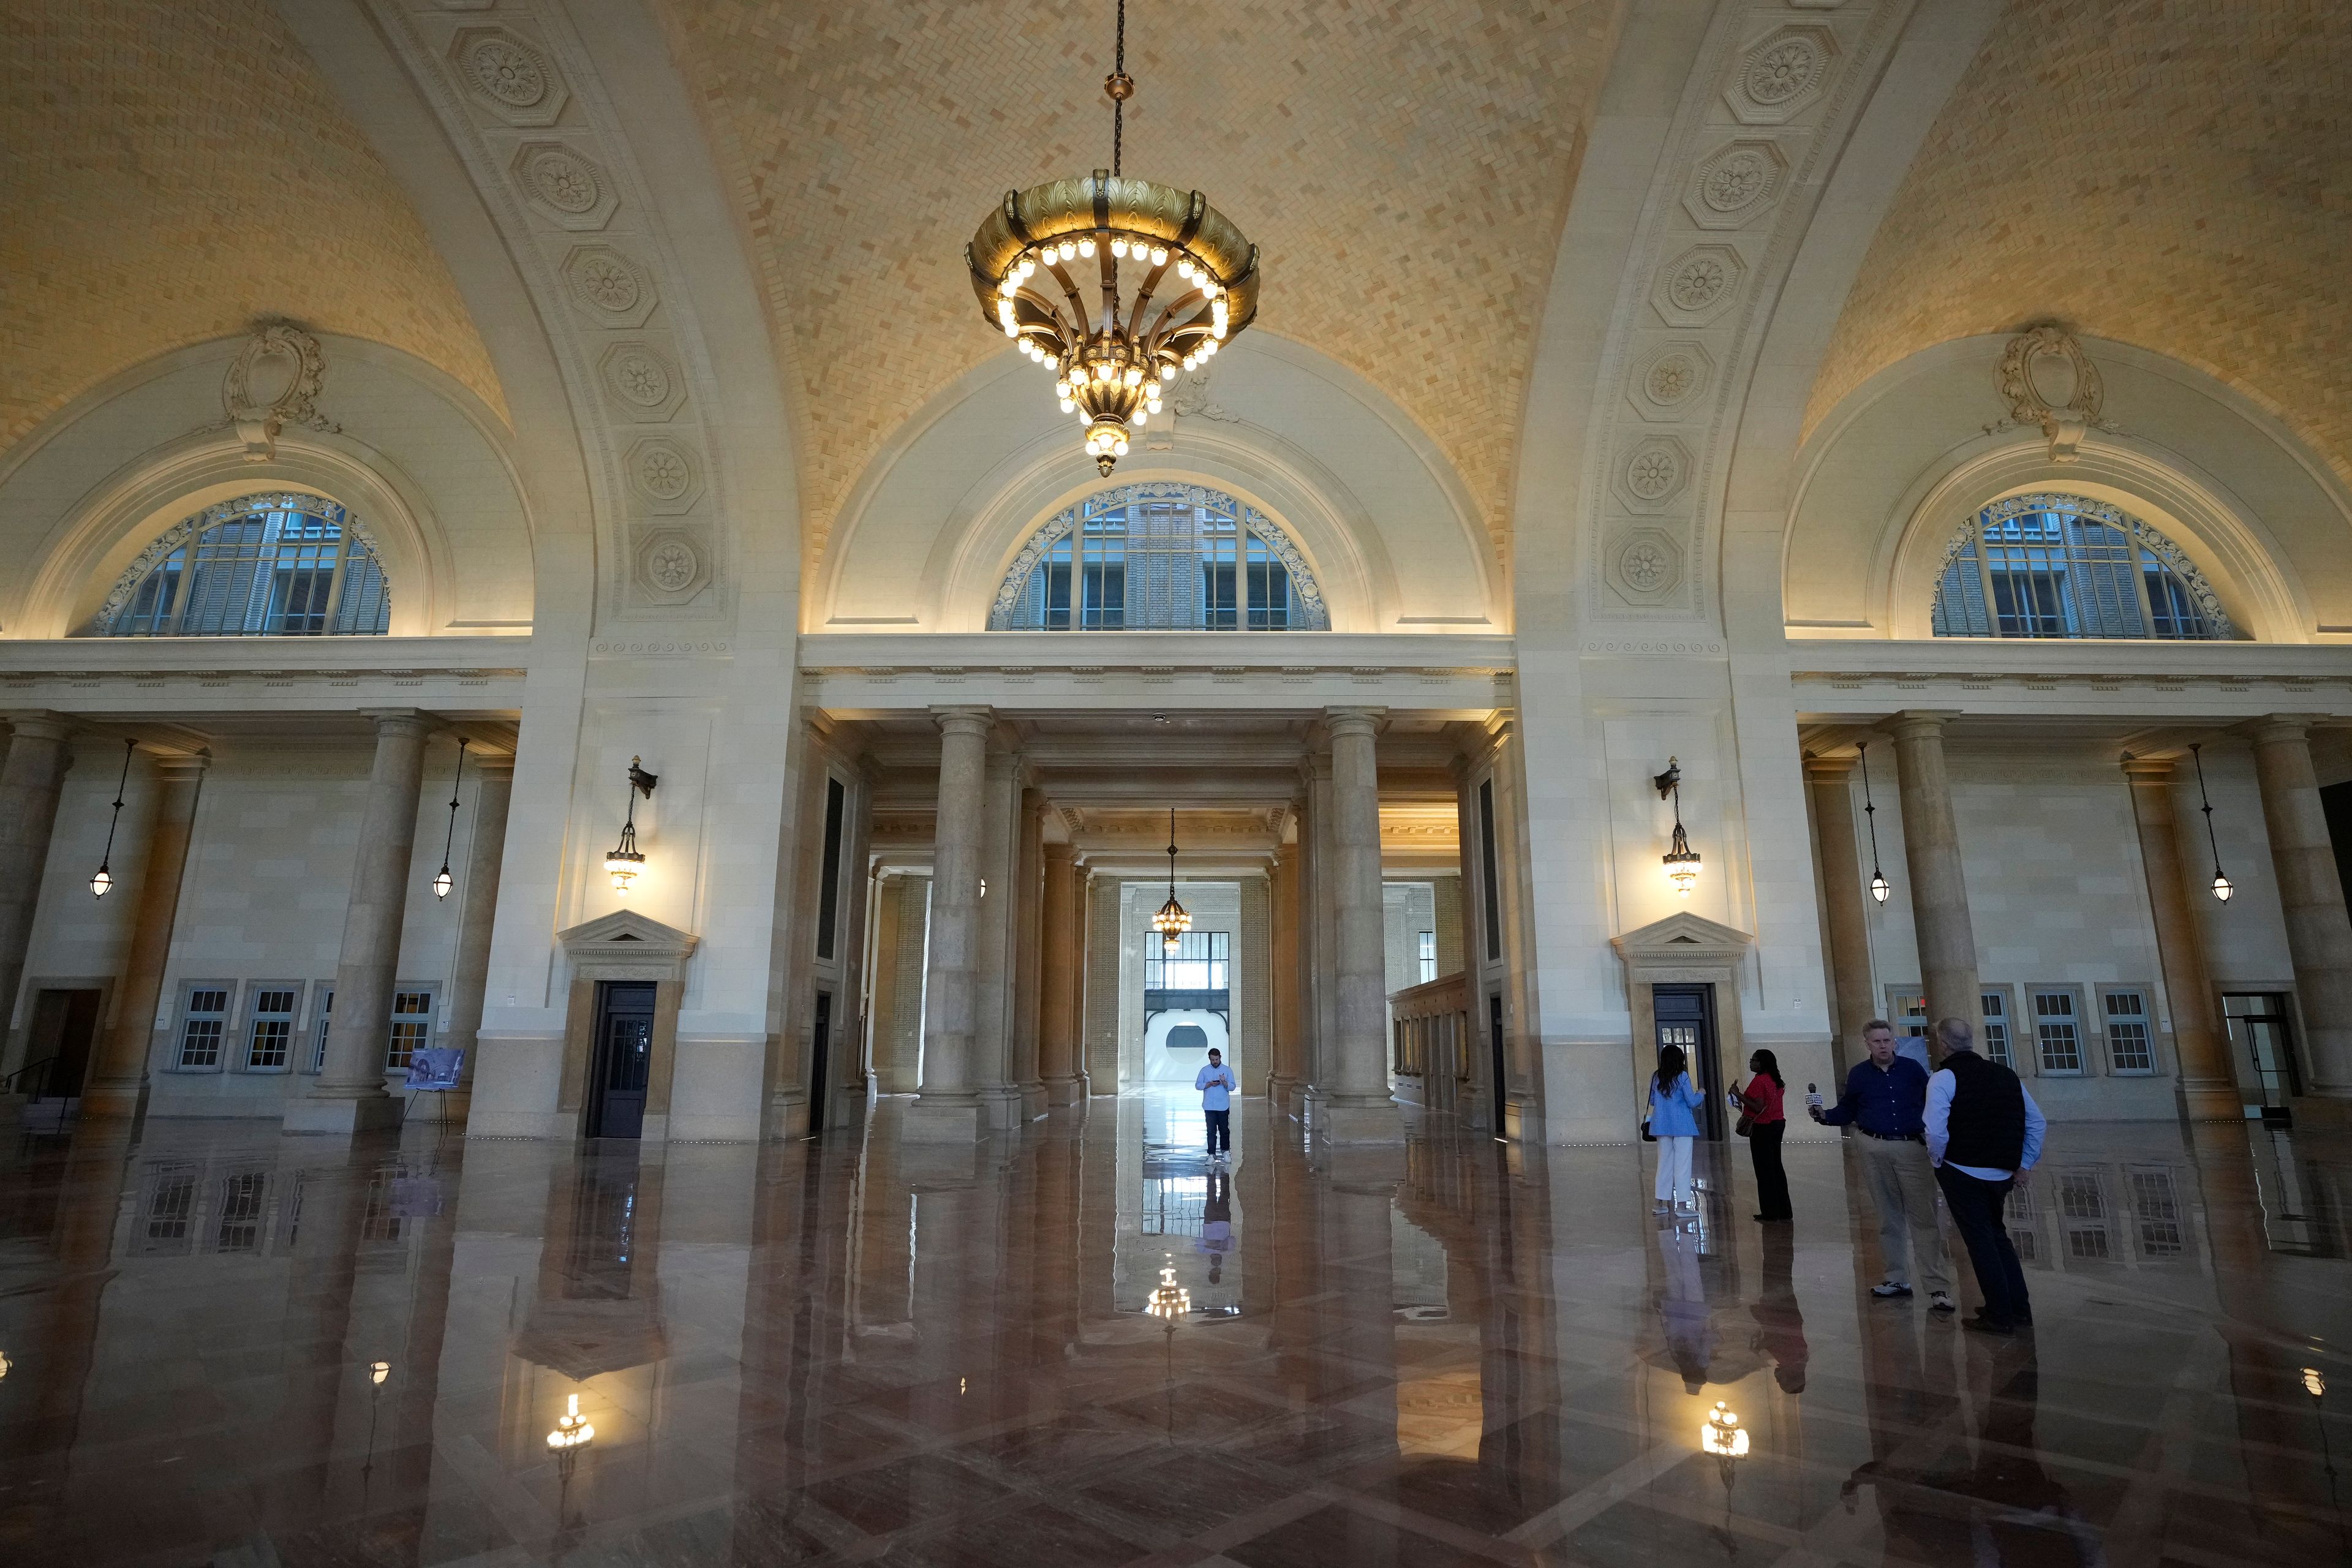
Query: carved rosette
point(1698, 285)
point(1671, 379)
point(565, 185)
point(672, 566)
point(510, 76)
point(610, 288)
point(1736, 183)
point(1647, 565)
point(1782, 76)
point(665, 474)
point(644, 385)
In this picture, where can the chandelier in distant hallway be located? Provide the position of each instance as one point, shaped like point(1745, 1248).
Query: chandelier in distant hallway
point(1173, 920)
point(1044, 252)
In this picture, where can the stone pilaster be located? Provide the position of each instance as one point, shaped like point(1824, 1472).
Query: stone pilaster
point(1931, 853)
point(946, 1109)
point(1853, 996)
point(2208, 1090)
point(1063, 942)
point(1028, 940)
point(117, 1078)
point(30, 779)
point(1253, 957)
point(2311, 896)
point(1290, 988)
point(349, 1094)
point(1359, 1108)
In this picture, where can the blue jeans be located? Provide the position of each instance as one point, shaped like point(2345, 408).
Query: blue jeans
point(1221, 1129)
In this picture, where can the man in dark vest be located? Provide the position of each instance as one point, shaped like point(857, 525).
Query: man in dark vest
point(1983, 1132)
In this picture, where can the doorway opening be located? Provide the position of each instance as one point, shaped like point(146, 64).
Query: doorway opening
point(621, 1065)
point(58, 1045)
point(1686, 1018)
point(820, 1043)
point(2263, 1038)
point(1495, 1049)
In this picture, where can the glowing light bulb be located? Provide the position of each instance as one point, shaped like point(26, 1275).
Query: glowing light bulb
point(1137, 419)
point(1085, 248)
point(1118, 249)
point(1067, 406)
point(1167, 372)
point(1159, 256)
point(1068, 248)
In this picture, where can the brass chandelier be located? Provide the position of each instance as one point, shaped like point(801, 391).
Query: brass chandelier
point(1173, 920)
point(1044, 252)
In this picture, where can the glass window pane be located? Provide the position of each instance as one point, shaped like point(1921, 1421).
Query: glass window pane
point(264, 565)
point(1160, 557)
point(2066, 566)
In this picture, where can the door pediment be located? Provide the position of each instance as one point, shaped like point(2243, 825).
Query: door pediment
point(1682, 939)
point(626, 946)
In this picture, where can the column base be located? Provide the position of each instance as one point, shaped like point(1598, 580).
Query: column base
point(2212, 1102)
point(1373, 1121)
point(1065, 1091)
point(937, 1123)
point(1001, 1104)
point(372, 1113)
point(1033, 1101)
point(112, 1102)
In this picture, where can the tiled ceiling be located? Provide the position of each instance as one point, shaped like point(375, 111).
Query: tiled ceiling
point(2172, 174)
point(1404, 165)
point(170, 172)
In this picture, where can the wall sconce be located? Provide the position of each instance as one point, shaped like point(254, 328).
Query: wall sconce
point(1682, 861)
point(2222, 887)
point(103, 883)
point(627, 861)
point(1879, 887)
point(442, 880)
point(1173, 920)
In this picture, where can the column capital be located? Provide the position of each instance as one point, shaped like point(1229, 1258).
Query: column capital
point(965, 721)
point(1355, 721)
point(399, 721)
point(183, 766)
point(1828, 767)
point(2275, 727)
point(1060, 853)
point(38, 723)
point(493, 766)
point(1916, 723)
point(2151, 770)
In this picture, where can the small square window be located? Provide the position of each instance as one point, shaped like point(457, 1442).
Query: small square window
point(1996, 1030)
point(2057, 1031)
point(269, 1037)
point(1426, 951)
point(2129, 1047)
point(204, 1020)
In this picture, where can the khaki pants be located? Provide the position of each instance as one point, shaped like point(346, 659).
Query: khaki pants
point(1903, 1190)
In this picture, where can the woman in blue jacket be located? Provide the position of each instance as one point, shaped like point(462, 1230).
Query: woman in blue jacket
point(1675, 1102)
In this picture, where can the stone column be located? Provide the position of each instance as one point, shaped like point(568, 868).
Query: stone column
point(1854, 997)
point(2209, 1091)
point(1057, 1006)
point(1253, 970)
point(1359, 1108)
point(1282, 1081)
point(349, 1094)
point(1319, 934)
point(30, 778)
point(470, 972)
point(1028, 940)
point(995, 949)
point(2311, 896)
point(945, 1108)
point(118, 1077)
point(1931, 852)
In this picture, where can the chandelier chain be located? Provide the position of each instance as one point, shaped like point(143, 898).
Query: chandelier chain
point(1118, 99)
point(2195, 754)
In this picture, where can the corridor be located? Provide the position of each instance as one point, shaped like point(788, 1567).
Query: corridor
point(1080, 1344)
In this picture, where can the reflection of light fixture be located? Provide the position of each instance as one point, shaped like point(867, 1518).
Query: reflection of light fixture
point(625, 861)
point(442, 880)
point(5, 1364)
point(571, 1428)
point(1878, 884)
point(1188, 282)
point(1169, 1301)
point(2222, 887)
point(1722, 1435)
point(1173, 920)
point(103, 883)
point(378, 1371)
point(1682, 861)
point(2313, 1382)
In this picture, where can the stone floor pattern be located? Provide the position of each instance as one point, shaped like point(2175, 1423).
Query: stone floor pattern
point(228, 1347)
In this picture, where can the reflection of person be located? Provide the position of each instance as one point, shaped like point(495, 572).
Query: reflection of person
point(1690, 1327)
point(1983, 1132)
point(1217, 1084)
point(1217, 1225)
point(1767, 1122)
point(1780, 1322)
point(1885, 1098)
point(1673, 1099)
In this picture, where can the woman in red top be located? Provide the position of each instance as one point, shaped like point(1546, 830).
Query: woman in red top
point(1761, 1101)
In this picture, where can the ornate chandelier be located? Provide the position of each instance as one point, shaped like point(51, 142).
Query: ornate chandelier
point(1173, 920)
point(1045, 253)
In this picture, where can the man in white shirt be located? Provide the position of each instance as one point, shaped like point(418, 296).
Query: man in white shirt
point(1217, 1085)
point(1983, 1132)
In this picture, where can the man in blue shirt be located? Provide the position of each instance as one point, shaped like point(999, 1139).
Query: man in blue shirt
point(1983, 1132)
point(1885, 1100)
point(1216, 1084)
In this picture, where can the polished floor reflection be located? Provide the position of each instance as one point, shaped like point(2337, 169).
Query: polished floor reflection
point(1087, 1345)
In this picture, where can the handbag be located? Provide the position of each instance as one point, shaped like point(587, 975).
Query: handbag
point(1647, 1136)
point(1745, 1125)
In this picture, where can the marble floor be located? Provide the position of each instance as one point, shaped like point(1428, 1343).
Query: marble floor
point(228, 1347)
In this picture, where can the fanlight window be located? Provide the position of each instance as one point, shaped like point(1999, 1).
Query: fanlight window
point(260, 565)
point(1160, 557)
point(2066, 566)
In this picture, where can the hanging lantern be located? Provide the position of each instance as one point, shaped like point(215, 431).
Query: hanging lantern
point(1879, 886)
point(103, 882)
point(1173, 920)
point(624, 861)
point(442, 880)
point(2223, 890)
point(1682, 862)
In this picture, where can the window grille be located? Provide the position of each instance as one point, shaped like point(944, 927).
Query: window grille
point(2057, 1031)
point(260, 565)
point(2128, 1049)
point(270, 1042)
point(242, 1199)
point(1425, 951)
point(2066, 566)
point(202, 1023)
point(1201, 962)
point(1160, 557)
point(171, 1210)
point(2080, 1195)
point(412, 1029)
point(2157, 1205)
point(1996, 1030)
point(326, 994)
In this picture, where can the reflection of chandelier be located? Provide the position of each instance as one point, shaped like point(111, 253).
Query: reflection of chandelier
point(1723, 1436)
point(1109, 359)
point(571, 1428)
point(1173, 920)
point(1169, 1301)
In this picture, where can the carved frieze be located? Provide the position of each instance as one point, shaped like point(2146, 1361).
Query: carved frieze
point(2047, 379)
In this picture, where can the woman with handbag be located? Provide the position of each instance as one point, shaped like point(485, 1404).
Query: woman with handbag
point(1763, 1121)
point(1673, 1121)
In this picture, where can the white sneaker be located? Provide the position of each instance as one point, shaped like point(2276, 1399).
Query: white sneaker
point(1941, 1301)
point(1660, 1207)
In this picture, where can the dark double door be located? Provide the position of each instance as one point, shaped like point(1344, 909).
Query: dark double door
point(1686, 1018)
point(622, 1064)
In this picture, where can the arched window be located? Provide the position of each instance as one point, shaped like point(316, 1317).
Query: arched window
point(276, 564)
point(1160, 557)
point(2067, 566)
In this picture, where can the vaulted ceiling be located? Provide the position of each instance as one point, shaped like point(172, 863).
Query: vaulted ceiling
point(1404, 165)
point(169, 173)
point(2171, 174)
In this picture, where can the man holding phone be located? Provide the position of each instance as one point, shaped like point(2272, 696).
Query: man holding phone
point(1885, 1100)
point(1217, 1085)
